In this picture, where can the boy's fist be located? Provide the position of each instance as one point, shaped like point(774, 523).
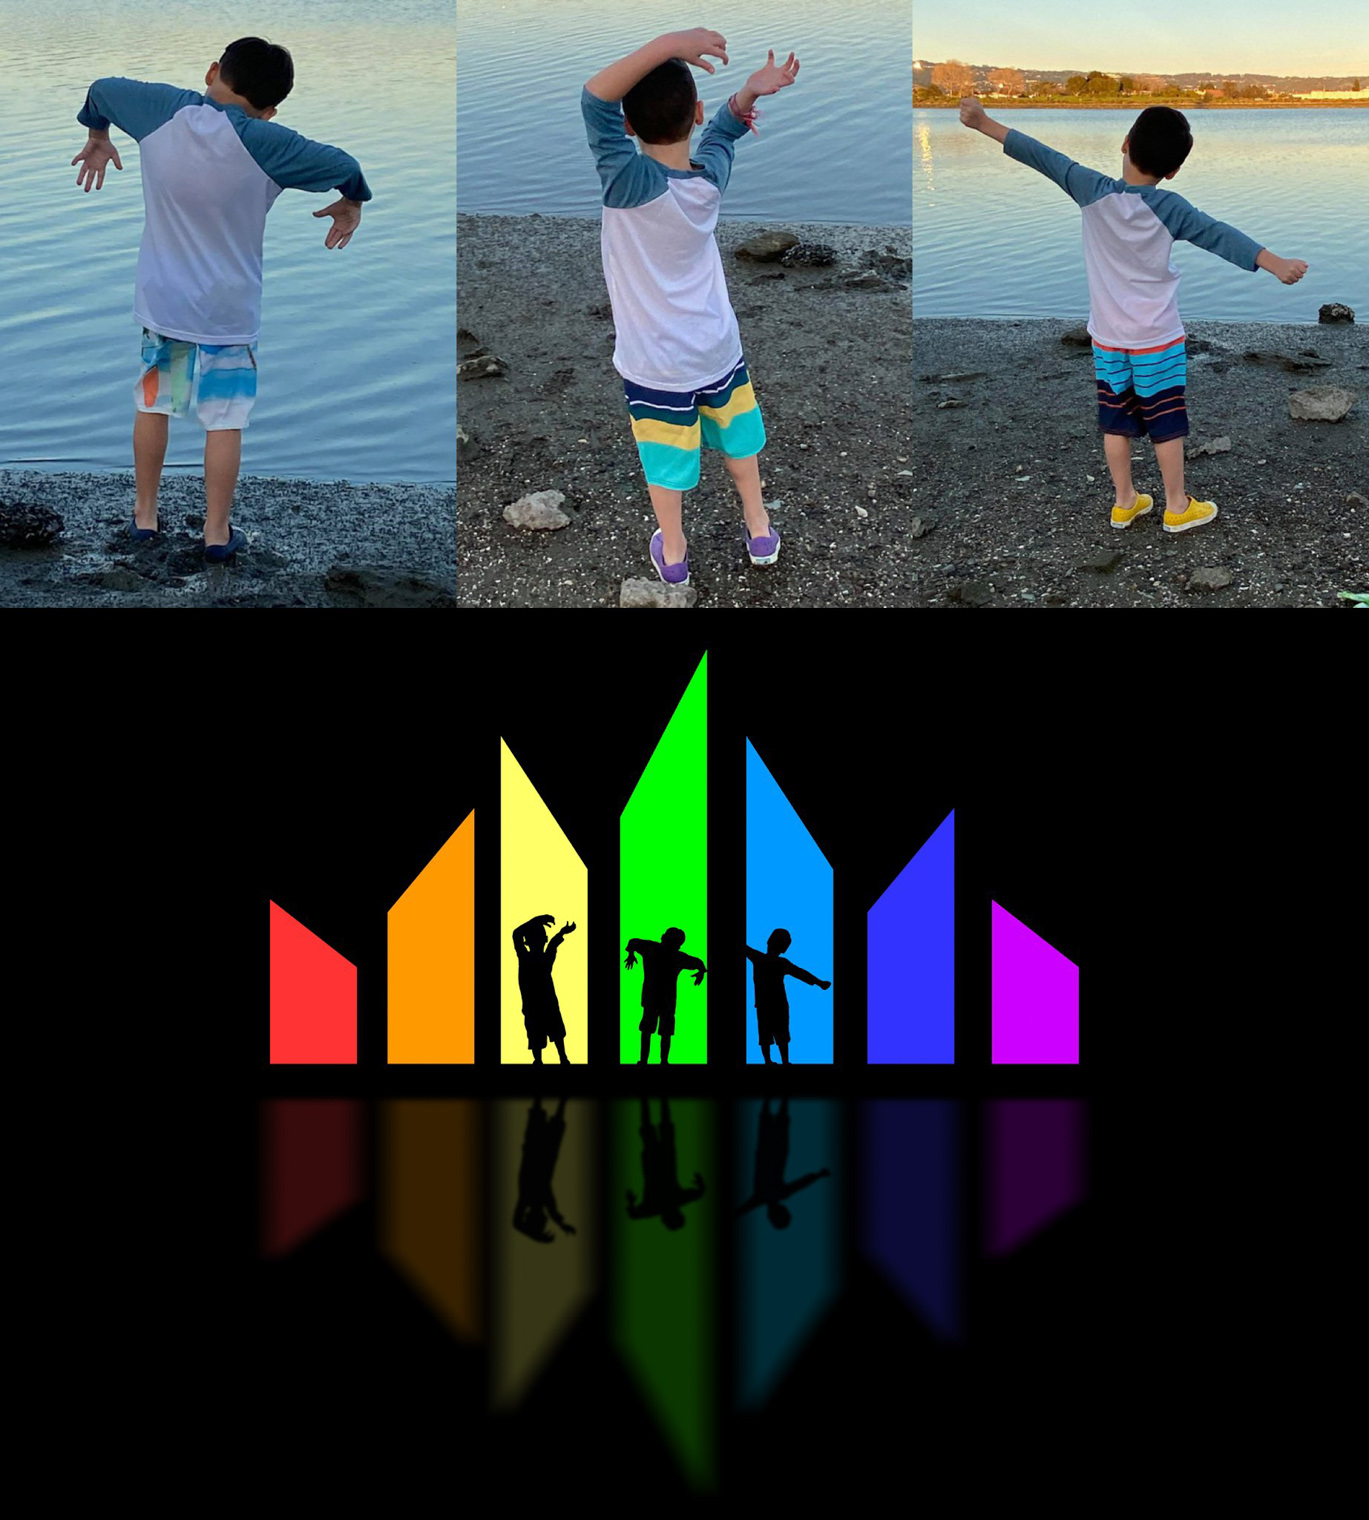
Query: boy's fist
point(774, 76)
point(692, 45)
point(1290, 271)
point(972, 114)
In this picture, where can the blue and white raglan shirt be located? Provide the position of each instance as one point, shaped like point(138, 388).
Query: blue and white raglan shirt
point(1129, 231)
point(675, 326)
point(210, 174)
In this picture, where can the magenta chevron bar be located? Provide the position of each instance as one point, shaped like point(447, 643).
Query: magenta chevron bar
point(1035, 998)
point(313, 998)
point(911, 988)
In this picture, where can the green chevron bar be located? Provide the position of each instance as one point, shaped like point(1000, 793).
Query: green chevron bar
point(663, 886)
point(663, 1199)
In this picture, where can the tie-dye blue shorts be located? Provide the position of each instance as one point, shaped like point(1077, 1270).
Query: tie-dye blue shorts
point(217, 381)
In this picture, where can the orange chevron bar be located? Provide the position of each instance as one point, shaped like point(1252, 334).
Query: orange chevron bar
point(432, 959)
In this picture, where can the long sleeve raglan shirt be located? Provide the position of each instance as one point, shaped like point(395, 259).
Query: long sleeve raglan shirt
point(676, 330)
point(1129, 232)
point(210, 174)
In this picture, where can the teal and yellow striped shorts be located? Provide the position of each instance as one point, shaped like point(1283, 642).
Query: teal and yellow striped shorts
point(671, 426)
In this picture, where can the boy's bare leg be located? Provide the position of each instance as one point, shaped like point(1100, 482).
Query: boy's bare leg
point(149, 452)
point(1117, 447)
point(669, 506)
point(746, 476)
point(222, 456)
point(1169, 455)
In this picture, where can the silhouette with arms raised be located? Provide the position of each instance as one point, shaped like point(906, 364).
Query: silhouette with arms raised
point(536, 1201)
point(541, 1011)
point(772, 1001)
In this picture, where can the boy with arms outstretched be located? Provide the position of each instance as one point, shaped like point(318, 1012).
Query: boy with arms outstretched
point(662, 962)
point(769, 968)
point(212, 167)
point(1130, 226)
point(678, 349)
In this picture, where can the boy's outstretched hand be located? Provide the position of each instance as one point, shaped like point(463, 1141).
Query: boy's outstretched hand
point(774, 76)
point(1290, 271)
point(694, 44)
point(974, 116)
point(346, 217)
point(94, 159)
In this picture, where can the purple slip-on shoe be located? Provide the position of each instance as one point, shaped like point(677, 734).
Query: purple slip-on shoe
point(672, 575)
point(764, 550)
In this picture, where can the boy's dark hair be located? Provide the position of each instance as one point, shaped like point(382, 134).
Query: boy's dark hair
point(661, 106)
point(260, 71)
point(1159, 140)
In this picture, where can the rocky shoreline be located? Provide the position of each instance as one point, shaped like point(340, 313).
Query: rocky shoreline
point(1013, 494)
point(541, 410)
point(311, 544)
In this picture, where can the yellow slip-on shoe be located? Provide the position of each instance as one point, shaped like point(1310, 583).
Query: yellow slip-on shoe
point(1123, 517)
point(1194, 515)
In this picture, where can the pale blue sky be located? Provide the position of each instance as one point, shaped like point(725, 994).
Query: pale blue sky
point(1227, 36)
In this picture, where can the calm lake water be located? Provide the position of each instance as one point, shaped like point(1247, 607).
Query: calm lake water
point(357, 352)
point(992, 238)
point(832, 148)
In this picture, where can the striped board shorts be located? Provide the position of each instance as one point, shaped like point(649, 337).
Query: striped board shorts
point(1141, 390)
point(217, 381)
point(670, 426)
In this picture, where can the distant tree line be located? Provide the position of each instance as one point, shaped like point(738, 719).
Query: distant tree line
point(954, 79)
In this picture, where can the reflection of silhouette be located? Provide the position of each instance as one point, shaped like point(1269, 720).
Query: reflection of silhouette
point(661, 1191)
point(772, 1156)
point(772, 1002)
point(661, 965)
point(541, 1011)
point(541, 1146)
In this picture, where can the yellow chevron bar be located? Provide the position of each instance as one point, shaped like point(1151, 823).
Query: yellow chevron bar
point(432, 959)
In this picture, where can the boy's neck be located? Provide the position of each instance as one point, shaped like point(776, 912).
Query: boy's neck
point(220, 93)
point(673, 155)
point(1131, 175)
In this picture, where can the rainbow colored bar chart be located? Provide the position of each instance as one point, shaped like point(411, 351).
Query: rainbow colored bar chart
point(789, 887)
point(432, 959)
point(313, 998)
point(911, 968)
point(539, 873)
point(663, 874)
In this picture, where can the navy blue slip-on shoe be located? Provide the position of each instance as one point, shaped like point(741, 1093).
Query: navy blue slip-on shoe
point(217, 553)
point(141, 535)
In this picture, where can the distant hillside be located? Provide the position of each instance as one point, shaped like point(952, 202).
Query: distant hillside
point(1295, 84)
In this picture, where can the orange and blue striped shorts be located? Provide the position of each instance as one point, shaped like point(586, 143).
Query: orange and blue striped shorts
point(1141, 390)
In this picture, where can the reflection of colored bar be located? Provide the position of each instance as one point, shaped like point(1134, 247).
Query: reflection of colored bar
point(664, 872)
point(1035, 1157)
point(313, 997)
point(788, 886)
point(788, 1258)
point(539, 873)
point(311, 1167)
point(430, 1223)
point(662, 1296)
point(911, 997)
point(910, 1211)
point(539, 1285)
point(1035, 997)
point(432, 964)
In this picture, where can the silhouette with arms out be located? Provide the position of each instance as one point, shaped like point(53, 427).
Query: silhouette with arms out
point(662, 1195)
point(536, 1201)
point(541, 1011)
point(772, 1001)
point(661, 965)
point(772, 1156)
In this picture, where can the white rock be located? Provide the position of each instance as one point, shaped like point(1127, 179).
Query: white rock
point(539, 509)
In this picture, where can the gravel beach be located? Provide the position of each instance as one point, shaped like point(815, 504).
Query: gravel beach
point(830, 363)
point(1010, 472)
point(311, 544)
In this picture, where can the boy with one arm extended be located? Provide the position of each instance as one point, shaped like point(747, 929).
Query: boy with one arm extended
point(212, 167)
point(678, 349)
point(1130, 227)
point(770, 968)
point(662, 962)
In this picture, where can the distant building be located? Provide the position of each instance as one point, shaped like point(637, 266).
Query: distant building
point(1332, 95)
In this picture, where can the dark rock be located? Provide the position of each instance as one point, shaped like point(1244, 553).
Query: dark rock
point(1209, 578)
point(1321, 403)
point(891, 265)
point(379, 586)
point(117, 578)
point(26, 525)
point(1333, 311)
point(971, 593)
point(863, 279)
point(1296, 364)
point(808, 253)
point(466, 446)
point(1080, 337)
point(1102, 563)
point(1354, 499)
point(950, 401)
point(480, 365)
point(1208, 446)
point(644, 593)
point(767, 246)
point(194, 520)
point(920, 527)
